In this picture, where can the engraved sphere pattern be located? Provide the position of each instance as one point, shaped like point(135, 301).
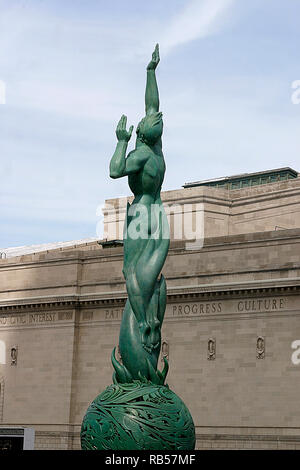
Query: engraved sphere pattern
point(137, 416)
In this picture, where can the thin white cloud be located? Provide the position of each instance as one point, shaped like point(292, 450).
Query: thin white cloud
point(30, 64)
point(199, 18)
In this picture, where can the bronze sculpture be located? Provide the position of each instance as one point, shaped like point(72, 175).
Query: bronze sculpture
point(139, 411)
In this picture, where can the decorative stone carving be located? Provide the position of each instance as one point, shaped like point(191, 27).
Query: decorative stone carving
point(14, 355)
point(260, 347)
point(164, 350)
point(211, 349)
point(119, 357)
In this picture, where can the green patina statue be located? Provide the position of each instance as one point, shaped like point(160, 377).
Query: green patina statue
point(144, 251)
point(139, 411)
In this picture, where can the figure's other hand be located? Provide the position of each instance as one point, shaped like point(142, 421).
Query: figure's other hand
point(155, 59)
point(121, 132)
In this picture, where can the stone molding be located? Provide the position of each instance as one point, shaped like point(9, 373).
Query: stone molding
point(174, 294)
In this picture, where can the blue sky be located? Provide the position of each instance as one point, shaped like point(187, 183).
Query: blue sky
point(73, 67)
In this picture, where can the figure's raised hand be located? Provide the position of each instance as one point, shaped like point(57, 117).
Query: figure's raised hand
point(121, 132)
point(155, 59)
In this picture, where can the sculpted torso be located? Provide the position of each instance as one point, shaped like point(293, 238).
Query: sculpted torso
point(146, 184)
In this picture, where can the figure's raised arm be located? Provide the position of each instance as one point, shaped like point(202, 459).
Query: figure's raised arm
point(118, 161)
point(120, 165)
point(151, 95)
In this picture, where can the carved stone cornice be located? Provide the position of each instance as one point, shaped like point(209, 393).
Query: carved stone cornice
point(174, 294)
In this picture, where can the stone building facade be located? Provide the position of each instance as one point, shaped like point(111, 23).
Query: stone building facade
point(230, 331)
